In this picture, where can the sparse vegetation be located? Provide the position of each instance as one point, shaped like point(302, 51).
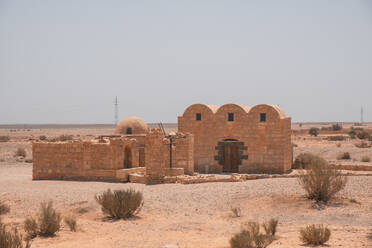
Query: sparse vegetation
point(336, 127)
point(71, 222)
point(4, 208)
point(31, 227)
point(270, 226)
point(49, 220)
point(64, 137)
point(366, 159)
point(359, 133)
point(42, 137)
point(321, 181)
point(120, 204)
point(303, 160)
point(363, 145)
point(236, 211)
point(315, 235)
point(314, 131)
point(345, 156)
point(21, 152)
point(4, 138)
point(363, 135)
point(354, 201)
point(10, 238)
point(337, 138)
point(29, 160)
point(250, 237)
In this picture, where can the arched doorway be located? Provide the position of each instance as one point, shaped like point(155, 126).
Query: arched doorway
point(127, 157)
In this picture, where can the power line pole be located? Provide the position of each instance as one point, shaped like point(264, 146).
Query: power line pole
point(116, 110)
point(361, 115)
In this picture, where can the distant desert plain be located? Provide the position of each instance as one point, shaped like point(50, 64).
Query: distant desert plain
point(191, 215)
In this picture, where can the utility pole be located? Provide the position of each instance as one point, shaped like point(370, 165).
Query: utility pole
point(361, 115)
point(116, 110)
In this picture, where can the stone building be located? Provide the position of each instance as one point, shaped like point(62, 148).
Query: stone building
point(210, 139)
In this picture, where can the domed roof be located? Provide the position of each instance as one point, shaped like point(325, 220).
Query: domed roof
point(132, 125)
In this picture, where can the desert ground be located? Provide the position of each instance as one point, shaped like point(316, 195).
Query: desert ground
point(193, 215)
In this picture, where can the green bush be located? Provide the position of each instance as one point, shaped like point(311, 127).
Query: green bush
point(4, 138)
point(303, 160)
point(49, 220)
point(315, 235)
point(120, 204)
point(71, 222)
point(314, 131)
point(321, 181)
point(250, 237)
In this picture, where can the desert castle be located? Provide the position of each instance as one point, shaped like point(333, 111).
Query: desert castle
point(210, 139)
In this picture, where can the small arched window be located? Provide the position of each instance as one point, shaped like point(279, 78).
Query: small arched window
point(129, 130)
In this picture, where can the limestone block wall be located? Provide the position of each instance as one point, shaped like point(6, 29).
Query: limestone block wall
point(83, 160)
point(264, 146)
point(184, 154)
point(156, 156)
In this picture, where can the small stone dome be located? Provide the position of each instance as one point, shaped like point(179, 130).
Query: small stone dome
point(132, 125)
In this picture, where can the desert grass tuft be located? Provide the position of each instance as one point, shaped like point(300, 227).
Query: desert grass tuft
point(322, 181)
point(31, 227)
point(49, 220)
point(71, 222)
point(315, 235)
point(366, 159)
point(21, 152)
point(250, 237)
point(270, 226)
point(11, 238)
point(4, 208)
point(237, 212)
point(120, 204)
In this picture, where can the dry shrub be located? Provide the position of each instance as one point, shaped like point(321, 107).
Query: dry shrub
point(338, 145)
point(71, 222)
point(21, 152)
point(337, 138)
point(237, 212)
point(42, 137)
point(366, 159)
point(29, 160)
point(31, 227)
point(270, 226)
point(49, 220)
point(4, 208)
point(315, 235)
point(120, 204)
point(303, 160)
point(363, 145)
point(4, 138)
point(363, 135)
point(345, 156)
point(336, 127)
point(10, 238)
point(250, 237)
point(64, 137)
point(322, 181)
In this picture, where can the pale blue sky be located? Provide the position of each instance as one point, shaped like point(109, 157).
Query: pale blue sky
point(65, 61)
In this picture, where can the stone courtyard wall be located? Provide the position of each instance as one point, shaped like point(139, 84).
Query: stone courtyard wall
point(82, 160)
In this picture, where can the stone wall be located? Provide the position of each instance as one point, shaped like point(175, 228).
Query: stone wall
point(156, 156)
point(184, 154)
point(82, 160)
point(263, 146)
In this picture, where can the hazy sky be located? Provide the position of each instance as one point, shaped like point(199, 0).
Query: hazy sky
point(65, 61)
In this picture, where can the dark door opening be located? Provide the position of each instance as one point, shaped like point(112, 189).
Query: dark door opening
point(230, 157)
point(127, 157)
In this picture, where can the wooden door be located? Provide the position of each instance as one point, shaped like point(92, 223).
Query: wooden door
point(230, 158)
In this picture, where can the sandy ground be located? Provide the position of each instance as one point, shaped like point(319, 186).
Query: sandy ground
point(177, 215)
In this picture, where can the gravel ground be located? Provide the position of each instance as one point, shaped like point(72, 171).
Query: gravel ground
point(195, 215)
